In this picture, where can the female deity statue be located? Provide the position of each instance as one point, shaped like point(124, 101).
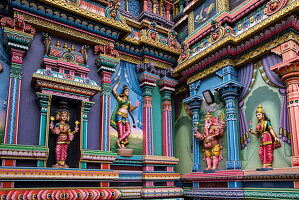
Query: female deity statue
point(64, 135)
point(119, 119)
point(269, 141)
point(211, 138)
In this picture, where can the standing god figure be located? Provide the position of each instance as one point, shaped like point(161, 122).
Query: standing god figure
point(269, 141)
point(211, 138)
point(64, 135)
point(120, 119)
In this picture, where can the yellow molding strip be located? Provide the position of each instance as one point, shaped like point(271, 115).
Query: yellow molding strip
point(235, 40)
point(253, 54)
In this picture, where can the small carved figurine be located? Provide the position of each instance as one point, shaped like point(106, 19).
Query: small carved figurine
point(111, 10)
point(185, 52)
point(152, 33)
point(172, 42)
point(269, 141)
point(211, 138)
point(120, 118)
point(64, 136)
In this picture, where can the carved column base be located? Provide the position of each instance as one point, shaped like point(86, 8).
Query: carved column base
point(196, 167)
point(233, 164)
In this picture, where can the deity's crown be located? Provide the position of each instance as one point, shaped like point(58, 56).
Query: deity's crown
point(208, 115)
point(260, 109)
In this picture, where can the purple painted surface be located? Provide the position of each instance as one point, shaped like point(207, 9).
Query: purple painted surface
point(29, 109)
point(94, 115)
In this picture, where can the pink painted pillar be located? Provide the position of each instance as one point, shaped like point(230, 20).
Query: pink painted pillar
point(145, 5)
point(168, 8)
point(167, 87)
point(288, 70)
point(147, 83)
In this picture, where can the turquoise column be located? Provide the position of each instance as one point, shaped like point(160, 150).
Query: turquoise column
point(44, 102)
point(194, 103)
point(85, 109)
point(229, 91)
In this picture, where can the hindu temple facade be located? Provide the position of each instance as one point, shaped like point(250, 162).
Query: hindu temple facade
point(149, 99)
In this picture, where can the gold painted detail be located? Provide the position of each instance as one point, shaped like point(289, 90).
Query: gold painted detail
point(67, 82)
point(237, 39)
point(88, 14)
point(47, 26)
point(191, 22)
point(253, 54)
point(56, 174)
point(161, 176)
point(222, 5)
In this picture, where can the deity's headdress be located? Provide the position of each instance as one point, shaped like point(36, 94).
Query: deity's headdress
point(208, 115)
point(260, 109)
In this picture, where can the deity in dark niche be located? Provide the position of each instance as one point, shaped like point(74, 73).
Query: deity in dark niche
point(211, 139)
point(268, 141)
point(64, 135)
point(120, 118)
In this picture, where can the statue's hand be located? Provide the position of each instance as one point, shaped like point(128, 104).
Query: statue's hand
point(76, 129)
point(198, 135)
point(56, 131)
point(137, 104)
point(51, 125)
point(211, 137)
point(276, 140)
point(71, 136)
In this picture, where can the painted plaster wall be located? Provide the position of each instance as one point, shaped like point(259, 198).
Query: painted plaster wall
point(157, 122)
point(183, 141)
point(269, 97)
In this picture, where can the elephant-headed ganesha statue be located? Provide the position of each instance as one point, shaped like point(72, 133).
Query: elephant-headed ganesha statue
point(211, 139)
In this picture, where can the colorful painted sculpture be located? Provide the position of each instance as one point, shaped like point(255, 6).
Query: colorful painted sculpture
point(111, 10)
point(64, 136)
point(211, 138)
point(119, 118)
point(269, 140)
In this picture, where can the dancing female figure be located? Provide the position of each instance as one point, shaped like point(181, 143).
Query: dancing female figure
point(119, 119)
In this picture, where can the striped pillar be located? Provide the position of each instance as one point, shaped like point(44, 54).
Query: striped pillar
point(44, 102)
point(105, 101)
point(107, 60)
point(229, 91)
point(147, 83)
point(85, 109)
point(18, 37)
point(167, 87)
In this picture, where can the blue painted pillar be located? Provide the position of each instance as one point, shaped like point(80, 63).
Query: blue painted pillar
point(194, 102)
point(229, 91)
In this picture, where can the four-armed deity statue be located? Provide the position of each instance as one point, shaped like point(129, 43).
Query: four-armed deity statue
point(64, 136)
point(268, 139)
point(211, 139)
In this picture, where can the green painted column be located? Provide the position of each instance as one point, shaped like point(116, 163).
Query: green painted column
point(85, 109)
point(44, 102)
